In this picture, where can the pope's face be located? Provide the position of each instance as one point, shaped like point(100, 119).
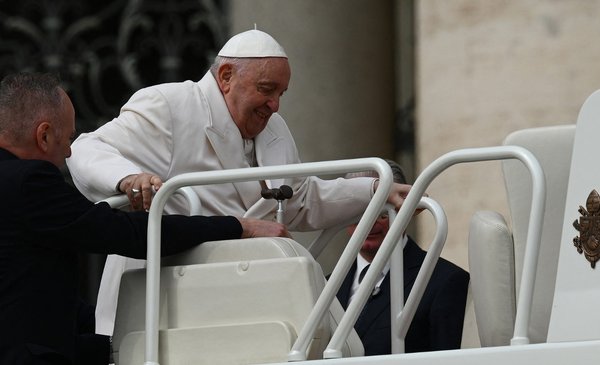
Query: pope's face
point(252, 92)
point(374, 238)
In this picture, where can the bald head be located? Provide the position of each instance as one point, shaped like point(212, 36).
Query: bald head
point(37, 118)
point(24, 99)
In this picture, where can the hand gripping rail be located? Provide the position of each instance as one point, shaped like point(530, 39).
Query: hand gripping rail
point(257, 173)
point(520, 335)
point(195, 206)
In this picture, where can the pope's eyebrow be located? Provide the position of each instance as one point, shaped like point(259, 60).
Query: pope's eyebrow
point(267, 83)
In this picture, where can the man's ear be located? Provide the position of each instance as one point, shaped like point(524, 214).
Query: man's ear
point(42, 134)
point(224, 75)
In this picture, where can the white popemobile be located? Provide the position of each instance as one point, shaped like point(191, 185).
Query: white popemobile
point(534, 287)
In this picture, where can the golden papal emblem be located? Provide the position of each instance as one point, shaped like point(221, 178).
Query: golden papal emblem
point(588, 226)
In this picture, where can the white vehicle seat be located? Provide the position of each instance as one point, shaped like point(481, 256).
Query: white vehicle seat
point(496, 251)
point(470, 335)
point(227, 302)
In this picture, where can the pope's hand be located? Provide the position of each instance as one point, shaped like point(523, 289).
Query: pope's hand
point(398, 194)
point(140, 189)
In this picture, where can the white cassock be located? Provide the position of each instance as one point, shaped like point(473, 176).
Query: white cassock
point(175, 128)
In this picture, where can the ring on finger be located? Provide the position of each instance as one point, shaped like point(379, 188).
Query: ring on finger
point(135, 191)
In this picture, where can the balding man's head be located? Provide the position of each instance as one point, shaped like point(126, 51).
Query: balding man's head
point(397, 172)
point(37, 118)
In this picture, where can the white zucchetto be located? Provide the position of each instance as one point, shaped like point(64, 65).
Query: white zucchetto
point(252, 44)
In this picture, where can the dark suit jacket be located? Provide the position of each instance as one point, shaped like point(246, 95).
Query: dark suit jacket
point(438, 321)
point(44, 223)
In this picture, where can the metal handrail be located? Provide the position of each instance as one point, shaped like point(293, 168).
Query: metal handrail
point(194, 203)
point(520, 335)
point(255, 173)
point(399, 225)
point(401, 315)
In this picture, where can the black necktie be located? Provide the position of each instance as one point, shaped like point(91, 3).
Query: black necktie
point(363, 272)
point(361, 276)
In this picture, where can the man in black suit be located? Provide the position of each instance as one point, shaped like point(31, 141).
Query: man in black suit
point(44, 223)
point(438, 321)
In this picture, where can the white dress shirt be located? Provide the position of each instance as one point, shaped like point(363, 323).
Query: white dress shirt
point(361, 263)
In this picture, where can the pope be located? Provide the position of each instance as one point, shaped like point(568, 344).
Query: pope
point(229, 119)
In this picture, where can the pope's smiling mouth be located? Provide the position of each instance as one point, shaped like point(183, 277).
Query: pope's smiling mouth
point(262, 115)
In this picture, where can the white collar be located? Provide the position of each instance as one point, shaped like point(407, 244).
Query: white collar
point(361, 263)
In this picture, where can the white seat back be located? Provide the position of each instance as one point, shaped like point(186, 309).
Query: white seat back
point(491, 260)
point(470, 335)
point(574, 315)
point(492, 269)
point(251, 295)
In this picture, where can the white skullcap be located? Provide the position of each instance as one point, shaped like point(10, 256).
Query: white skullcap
point(252, 43)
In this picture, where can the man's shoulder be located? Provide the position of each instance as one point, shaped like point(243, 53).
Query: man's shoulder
point(450, 267)
point(451, 275)
point(28, 180)
point(21, 167)
point(443, 267)
point(181, 97)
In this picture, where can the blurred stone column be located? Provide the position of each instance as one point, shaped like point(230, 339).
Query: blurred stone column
point(340, 103)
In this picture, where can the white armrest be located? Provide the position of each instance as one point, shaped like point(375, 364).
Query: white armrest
point(491, 263)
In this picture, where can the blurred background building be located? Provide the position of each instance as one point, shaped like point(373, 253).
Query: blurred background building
point(403, 79)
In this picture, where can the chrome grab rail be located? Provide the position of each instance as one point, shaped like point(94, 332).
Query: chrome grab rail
point(520, 335)
point(194, 203)
point(401, 315)
point(255, 173)
point(399, 225)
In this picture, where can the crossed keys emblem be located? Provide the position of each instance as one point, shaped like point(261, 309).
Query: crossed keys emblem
point(588, 225)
